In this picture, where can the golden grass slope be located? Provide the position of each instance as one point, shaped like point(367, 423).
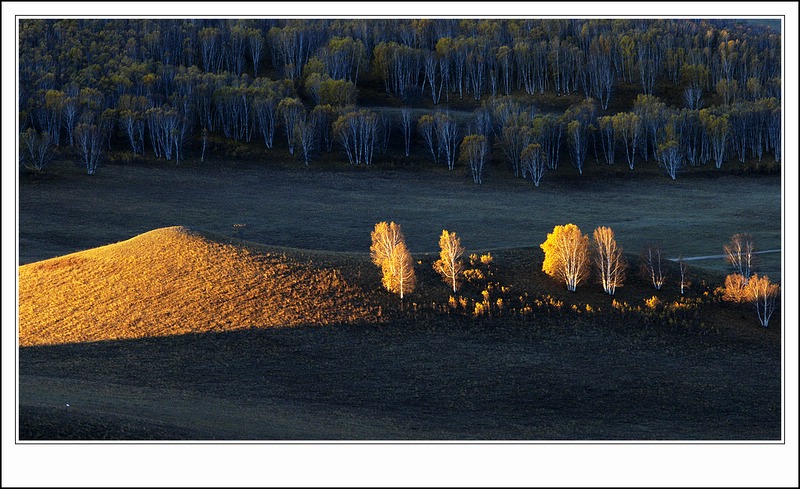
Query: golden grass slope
point(174, 281)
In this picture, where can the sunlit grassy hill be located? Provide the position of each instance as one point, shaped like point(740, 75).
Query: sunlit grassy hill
point(204, 355)
point(176, 280)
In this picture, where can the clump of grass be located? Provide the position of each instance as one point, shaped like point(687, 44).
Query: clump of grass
point(174, 281)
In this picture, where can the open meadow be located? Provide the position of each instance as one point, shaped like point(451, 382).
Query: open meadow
point(410, 380)
point(206, 358)
point(320, 209)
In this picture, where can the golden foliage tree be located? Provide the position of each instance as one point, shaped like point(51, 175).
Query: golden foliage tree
point(608, 259)
point(385, 237)
point(735, 288)
point(449, 264)
point(389, 252)
point(566, 255)
point(758, 291)
point(398, 274)
point(764, 296)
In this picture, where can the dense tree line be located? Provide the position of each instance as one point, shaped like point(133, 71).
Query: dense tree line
point(159, 84)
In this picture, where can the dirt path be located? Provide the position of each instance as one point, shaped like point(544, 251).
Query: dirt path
point(710, 257)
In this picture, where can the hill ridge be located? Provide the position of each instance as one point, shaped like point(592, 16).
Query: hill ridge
point(177, 280)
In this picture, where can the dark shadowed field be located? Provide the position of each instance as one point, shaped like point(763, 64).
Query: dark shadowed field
point(421, 373)
point(451, 381)
point(335, 210)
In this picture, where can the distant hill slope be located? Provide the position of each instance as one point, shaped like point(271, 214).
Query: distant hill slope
point(174, 281)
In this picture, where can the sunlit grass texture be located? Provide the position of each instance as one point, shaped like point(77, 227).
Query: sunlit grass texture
point(174, 281)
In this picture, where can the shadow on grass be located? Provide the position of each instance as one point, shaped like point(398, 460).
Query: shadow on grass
point(405, 380)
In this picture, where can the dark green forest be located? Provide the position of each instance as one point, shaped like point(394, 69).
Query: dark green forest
point(530, 94)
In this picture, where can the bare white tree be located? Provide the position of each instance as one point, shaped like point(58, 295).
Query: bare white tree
point(167, 129)
point(400, 66)
point(433, 75)
point(670, 157)
point(653, 266)
point(343, 58)
point(71, 115)
point(426, 127)
point(357, 131)
point(627, 129)
point(514, 138)
point(291, 109)
point(548, 131)
point(205, 143)
point(474, 151)
point(600, 68)
point(578, 138)
point(683, 267)
point(739, 254)
point(266, 107)
point(307, 136)
point(405, 123)
point(35, 151)
point(292, 45)
point(133, 124)
point(256, 44)
point(447, 137)
point(692, 98)
point(606, 127)
point(209, 38)
point(89, 142)
point(236, 43)
point(533, 162)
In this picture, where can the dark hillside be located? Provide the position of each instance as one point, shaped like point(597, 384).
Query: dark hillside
point(450, 379)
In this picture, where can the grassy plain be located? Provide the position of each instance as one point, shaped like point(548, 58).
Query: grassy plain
point(423, 371)
point(451, 380)
point(334, 208)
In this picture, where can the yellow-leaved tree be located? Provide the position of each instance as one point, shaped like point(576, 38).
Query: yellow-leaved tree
point(566, 255)
point(385, 237)
point(402, 279)
point(449, 264)
point(389, 252)
point(608, 259)
point(758, 291)
point(764, 296)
